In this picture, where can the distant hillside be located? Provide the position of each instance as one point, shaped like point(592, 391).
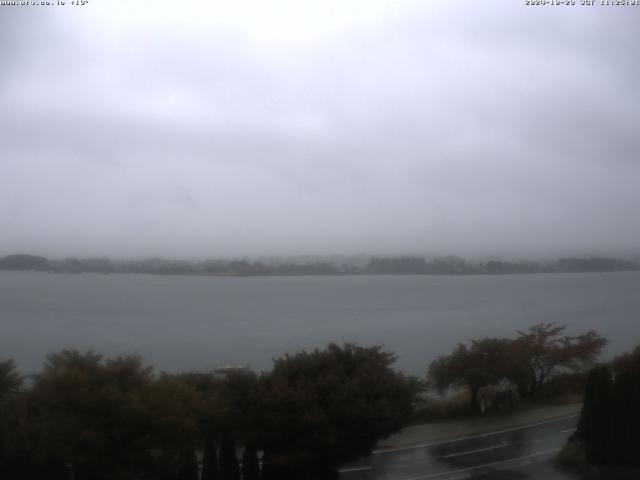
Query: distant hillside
point(316, 266)
point(24, 262)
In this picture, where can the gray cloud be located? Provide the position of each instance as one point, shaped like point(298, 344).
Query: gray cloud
point(475, 128)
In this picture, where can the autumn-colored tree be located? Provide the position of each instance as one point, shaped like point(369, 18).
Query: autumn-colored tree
point(543, 350)
point(483, 362)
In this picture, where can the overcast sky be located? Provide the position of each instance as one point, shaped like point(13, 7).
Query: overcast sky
point(229, 128)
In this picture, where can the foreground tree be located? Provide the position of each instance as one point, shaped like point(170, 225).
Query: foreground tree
point(10, 380)
point(544, 350)
point(330, 406)
point(595, 419)
point(527, 361)
point(85, 412)
point(484, 362)
point(625, 418)
point(12, 426)
point(610, 419)
point(172, 413)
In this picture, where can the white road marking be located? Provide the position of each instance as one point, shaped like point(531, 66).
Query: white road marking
point(355, 469)
point(569, 430)
point(481, 435)
point(485, 465)
point(478, 450)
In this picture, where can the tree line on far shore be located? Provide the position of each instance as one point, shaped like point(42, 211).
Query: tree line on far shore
point(402, 265)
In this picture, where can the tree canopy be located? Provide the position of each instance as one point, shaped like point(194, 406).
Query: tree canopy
point(87, 411)
point(330, 406)
point(483, 363)
point(543, 350)
point(10, 380)
point(98, 418)
point(528, 361)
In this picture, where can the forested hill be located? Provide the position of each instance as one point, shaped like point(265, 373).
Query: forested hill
point(400, 265)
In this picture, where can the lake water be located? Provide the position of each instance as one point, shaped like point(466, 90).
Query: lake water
point(182, 323)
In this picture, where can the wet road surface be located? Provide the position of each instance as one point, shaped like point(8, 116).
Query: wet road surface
point(512, 453)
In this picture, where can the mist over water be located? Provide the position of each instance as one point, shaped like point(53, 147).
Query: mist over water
point(218, 129)
point(185, 323)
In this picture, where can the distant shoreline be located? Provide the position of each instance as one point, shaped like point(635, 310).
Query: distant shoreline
point(333, 275)
point(318, 267)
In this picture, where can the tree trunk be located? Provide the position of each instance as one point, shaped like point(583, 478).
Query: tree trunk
point(473, 405)
point(209, 459)
point(523, 390)
point(187, 465)
point(229, 468)
point(250, 466)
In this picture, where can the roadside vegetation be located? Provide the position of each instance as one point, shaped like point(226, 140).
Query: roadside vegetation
point(495, 372)
point(88, 417)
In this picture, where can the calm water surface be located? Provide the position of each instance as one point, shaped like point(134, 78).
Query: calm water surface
point(180, 323)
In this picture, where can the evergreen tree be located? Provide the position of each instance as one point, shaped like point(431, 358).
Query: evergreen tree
point(595, 420)
point(624, 444)
point(610, 419)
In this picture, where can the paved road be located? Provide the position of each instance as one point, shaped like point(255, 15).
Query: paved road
point(513, 453)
